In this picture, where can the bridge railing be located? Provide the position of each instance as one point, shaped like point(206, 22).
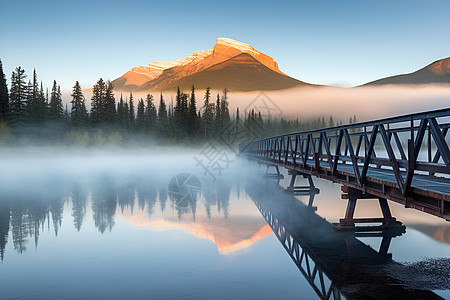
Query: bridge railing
point(407, 145)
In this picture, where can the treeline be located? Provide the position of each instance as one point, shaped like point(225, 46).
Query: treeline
point(29, 112)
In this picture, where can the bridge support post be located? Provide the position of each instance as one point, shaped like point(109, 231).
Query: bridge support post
point(306, 189)
point(348, 222)
point(276, 175)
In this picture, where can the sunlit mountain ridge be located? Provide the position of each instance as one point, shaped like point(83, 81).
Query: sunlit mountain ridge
point(226, 66)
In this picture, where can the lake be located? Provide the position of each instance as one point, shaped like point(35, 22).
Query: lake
point(157, 224)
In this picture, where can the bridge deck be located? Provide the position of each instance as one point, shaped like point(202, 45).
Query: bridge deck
point(370, 158)
point(432, 194)
point(438, 185)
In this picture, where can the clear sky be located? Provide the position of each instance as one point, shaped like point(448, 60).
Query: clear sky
point(324, 42)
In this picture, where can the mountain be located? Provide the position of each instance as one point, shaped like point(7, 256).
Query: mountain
point(229, 64)
point(240, 73)
point(436, 72)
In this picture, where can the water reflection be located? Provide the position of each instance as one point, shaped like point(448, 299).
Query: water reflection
point(334, 263)
point(25, 214)
point(238, 214)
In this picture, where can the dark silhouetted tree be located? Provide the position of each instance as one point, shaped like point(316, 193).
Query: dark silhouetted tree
point(110, 114)
point(56, 110)
point(122, 113)
point(218, 117)
point(36, 106)
point(78, 115)
point(131, 113)
point(98, 102)
point(224, 110)
point(140, 116)
point(18, 98)
point(192, 118)
point(4, 97)
point(163, 121)
point(150, 116)
point(208, 116)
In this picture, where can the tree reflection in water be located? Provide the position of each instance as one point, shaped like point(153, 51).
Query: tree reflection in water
point(25, 214)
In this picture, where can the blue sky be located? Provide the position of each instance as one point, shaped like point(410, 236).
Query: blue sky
point(323, 42)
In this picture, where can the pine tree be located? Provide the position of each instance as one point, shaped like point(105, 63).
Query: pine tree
point(32, 100)
point(178, 107)
point(180, 115)
point(110, 114)
point(331, 122)
point(224, 110)
point(4, 98)
point(36, 105)
point(218, 119)
point(150, 115)
point(140, 117)
point(183, 124)
point(41, 105)
point(79, 113)
point(18, 98)
point(238, 121)
point(192, 118)
point(131, 113)
point(56, 111)
point(163, 122)
point(121, 114)
point(97, 102)
point(29, 106)
point(126, 115)
point(208, 116)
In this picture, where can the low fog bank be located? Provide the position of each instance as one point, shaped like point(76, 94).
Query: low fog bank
point(38, 168)
point(367, 103)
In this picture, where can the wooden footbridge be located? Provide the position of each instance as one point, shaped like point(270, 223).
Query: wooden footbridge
point(405, 159)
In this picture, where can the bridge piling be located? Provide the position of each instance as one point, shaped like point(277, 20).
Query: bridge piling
point(276, 175)
point(310, 188)
point(348, 222)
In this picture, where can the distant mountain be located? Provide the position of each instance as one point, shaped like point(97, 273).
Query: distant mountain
point(437, 72)
point(231, 64)
point(240, 73)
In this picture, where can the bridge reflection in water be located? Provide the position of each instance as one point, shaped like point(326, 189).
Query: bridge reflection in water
point(334, 263)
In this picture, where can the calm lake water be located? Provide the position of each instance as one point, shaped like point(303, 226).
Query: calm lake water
point(140, 225)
